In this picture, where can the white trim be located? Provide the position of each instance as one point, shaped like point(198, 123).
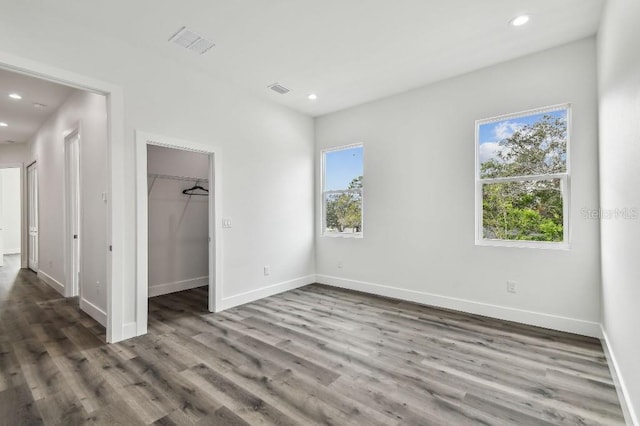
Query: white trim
point(554, 322)
point(142, 221)
point(129, 330)
point(166, 288)
point(12, 251)
point(93, 311)
point(630, 416)
point(260, 293)
point(53, 283)
point(121, 243)
point(74, 288)
point(323, 203)
point(564, 185)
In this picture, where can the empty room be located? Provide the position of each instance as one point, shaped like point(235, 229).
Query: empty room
point(354, 212)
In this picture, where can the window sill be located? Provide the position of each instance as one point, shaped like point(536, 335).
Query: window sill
point(523, 244)
point(357, 236)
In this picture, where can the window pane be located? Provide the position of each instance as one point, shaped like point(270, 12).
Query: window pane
point(343, 212)
point(534, 144)
point(523, 210)
point(343, 169)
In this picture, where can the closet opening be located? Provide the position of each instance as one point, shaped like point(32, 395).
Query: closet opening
point(178, 243)
point(178, 212)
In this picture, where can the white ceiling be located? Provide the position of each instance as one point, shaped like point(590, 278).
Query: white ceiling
point(347, 51)
point(23, 118)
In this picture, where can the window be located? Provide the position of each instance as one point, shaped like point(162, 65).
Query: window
point(522, 178)
point(342, 174)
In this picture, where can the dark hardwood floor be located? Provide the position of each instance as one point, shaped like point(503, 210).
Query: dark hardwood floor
point(316, 355)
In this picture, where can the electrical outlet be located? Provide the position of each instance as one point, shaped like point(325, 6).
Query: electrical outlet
point(512, 287)
point(267, 271)
point(340, 264)
point(226, 223)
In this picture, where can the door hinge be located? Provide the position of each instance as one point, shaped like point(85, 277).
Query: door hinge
point(110, 248)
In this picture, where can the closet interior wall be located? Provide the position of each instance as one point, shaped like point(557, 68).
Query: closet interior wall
point(178, 223)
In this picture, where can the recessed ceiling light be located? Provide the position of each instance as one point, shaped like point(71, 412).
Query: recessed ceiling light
point(312, 96)
point(3, 124)
point(15, 96)
point(518, 21)
point(39, 105)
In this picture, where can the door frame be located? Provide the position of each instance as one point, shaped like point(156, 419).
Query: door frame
point(25, 226)
point(121, 244)
point(143, 140)
point(23, 211)
point(74, 289)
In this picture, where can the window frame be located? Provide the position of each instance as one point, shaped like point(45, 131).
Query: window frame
point(324, 193)
point(565, 179)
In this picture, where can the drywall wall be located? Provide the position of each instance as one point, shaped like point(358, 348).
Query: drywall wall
point(178, 223)
point(267, 150)
point(11, 212)
point(13, 153)
point(86, 111)
point(419, 196)
point(619, 95)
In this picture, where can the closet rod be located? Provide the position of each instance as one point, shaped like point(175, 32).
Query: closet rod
point(182, 178)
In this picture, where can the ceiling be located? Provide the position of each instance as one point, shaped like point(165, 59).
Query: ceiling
point(347, 51)
point(22, 117)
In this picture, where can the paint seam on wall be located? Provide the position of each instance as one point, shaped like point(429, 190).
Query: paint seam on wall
point(166, 288)
point(94, 312)
point(623, 395)
point(260, 293)
point(12, 251)
point(537, 319)
point(52, 282)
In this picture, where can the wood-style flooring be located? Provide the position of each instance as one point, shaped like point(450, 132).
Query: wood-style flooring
point(316, 355)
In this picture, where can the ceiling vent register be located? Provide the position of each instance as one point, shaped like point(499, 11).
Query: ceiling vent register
point(279, 88)
point(191, 40)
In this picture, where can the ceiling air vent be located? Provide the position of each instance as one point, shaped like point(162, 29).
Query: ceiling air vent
point(192, 41)
point(279, 88)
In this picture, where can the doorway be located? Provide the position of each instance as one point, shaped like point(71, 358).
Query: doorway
point(10, 212)
point(213, 234)
point(118, 243)
point(32, 216)
point(72, 219)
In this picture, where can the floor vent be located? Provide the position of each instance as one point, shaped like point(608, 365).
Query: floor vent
point(192, 41)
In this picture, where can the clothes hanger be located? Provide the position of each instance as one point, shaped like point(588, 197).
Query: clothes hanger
point(196, 190)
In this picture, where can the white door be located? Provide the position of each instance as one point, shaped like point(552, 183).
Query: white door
point(72, 146)
point(1, 225)
point(32, 215)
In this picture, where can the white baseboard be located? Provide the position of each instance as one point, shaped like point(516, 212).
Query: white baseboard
point(570, 325)
point(12, 251)
point(159, 289)
point(250, 296)
point(630, 416)
point(94, 312)
point(129, 330)
point(55, 284)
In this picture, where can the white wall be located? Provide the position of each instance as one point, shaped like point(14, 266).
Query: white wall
point(419, 196)
point(619, 91)
point(13, 154)
point(88, 111)
point(178, 223)
point(11, 212)
point(267, 150)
